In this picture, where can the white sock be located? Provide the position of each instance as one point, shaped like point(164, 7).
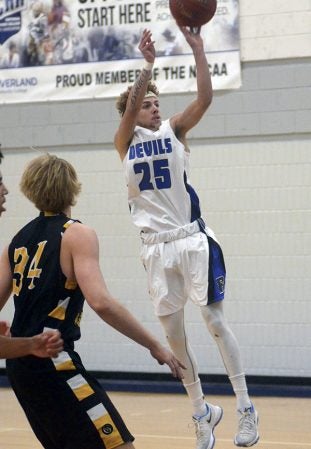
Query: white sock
point(195, 393)
point(239, 386)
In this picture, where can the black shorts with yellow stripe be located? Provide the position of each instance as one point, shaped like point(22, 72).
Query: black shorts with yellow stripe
point(66, 407)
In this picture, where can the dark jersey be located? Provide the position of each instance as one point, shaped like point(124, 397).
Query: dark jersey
point(65, 405)
point(43, 297)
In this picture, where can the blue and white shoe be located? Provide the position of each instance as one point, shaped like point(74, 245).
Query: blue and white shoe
point(204, 426)
point(247, 434)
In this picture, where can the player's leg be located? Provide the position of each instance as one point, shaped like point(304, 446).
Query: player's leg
point(205, 416)
point(174, 328)
point(207, 275)
point(67, 409)
point(164, 264)
point(229, 349)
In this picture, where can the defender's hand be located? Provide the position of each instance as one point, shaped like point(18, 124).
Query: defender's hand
point(164, 356)
point(47, 344)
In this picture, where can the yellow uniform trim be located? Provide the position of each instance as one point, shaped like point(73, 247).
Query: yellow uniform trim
point(63, 362)
point(65, 366)
point(60, 311)
point(68, 223)
point(105, 426)
point(80, 387)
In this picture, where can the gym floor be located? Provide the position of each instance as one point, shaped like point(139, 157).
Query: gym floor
point(162, 421)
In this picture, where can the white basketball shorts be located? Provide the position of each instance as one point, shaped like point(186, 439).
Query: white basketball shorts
point(183, 264)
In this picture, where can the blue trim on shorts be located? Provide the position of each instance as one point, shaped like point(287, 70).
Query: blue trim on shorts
point(216, 272)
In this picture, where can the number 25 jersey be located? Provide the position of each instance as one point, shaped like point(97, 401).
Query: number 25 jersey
point(156, 166)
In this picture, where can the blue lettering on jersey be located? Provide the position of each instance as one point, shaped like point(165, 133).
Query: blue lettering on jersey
point(158, 171)
point(156, 147)
point(139, 149)
point(147, 148)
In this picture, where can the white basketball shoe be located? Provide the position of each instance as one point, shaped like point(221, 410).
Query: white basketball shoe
point(204, 426)
point(247, 434)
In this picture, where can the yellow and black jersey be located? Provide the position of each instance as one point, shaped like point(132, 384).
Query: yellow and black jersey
point(43, 297)
point(64, 404)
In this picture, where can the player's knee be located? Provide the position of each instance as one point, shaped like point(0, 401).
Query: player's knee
point(216, 325)
point(216, 328)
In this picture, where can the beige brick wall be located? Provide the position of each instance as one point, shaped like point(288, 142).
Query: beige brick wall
point(275, 29)
point(255, 195)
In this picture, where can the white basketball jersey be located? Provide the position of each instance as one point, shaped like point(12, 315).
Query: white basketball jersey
point(156, 166)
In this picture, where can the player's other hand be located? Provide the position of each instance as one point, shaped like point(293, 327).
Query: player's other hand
point(164, 356)
point(47, 344)
point(5, 328)
point(146, 46)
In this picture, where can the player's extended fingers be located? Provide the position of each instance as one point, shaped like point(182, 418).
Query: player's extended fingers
point(184, 30)
point(180, 370)
point(195, 30)
point(145, 38)
point(177, 368)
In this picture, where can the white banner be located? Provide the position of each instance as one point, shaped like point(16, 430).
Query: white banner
point(74, 49)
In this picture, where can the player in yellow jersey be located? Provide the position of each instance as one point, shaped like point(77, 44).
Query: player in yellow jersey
point(51, 266)
point(46, 344)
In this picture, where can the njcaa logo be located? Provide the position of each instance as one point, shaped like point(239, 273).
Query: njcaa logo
point(220, 282)
point(107, 429)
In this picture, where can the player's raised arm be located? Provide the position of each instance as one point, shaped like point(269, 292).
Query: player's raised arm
point(184, 121)
point(135, 95)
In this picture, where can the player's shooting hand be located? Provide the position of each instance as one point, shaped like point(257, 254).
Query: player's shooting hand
point(47, 344)
point(192, 36)
point(164, 356)
point(146, 46)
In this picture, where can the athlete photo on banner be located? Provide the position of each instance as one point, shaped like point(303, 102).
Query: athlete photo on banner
point(75, 49)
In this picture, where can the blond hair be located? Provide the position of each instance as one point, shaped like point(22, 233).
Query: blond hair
point(122, 99)
point(50, 183)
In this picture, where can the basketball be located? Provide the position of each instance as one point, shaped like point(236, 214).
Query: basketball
point(192, 13)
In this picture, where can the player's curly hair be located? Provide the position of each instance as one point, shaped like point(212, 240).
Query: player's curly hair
point(122, 100)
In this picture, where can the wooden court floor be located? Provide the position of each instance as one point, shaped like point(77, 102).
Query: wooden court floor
point(162, 421)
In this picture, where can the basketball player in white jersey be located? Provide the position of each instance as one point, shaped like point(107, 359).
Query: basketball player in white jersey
point(180, 253)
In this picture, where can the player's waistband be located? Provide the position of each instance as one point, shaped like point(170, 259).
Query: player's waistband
point(174, 234)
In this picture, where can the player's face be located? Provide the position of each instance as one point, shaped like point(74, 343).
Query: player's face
point(149, 115)
point(3, 192)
